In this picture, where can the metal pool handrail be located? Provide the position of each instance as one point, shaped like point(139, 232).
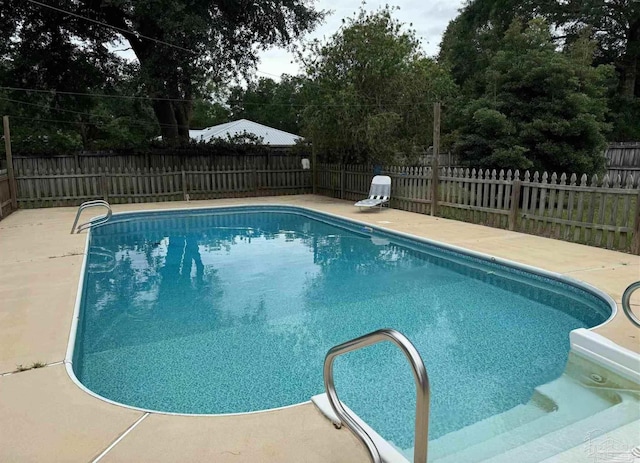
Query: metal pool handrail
point(626, 303)
point(99, 221)
point(422, 390)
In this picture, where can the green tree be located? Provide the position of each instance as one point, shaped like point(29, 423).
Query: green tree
point(37, 53)
point(52, 121)
point(615, 27)
point(471, 39)
point(475, 35)
point(207, 113)
point(210, 40)
point(370, 91)
point(275, 104)
point(539, 108)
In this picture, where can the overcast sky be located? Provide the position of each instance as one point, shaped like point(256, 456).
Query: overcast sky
point(429, 18)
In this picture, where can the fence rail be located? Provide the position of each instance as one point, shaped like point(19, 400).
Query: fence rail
point(596, 211)
point(70, 188)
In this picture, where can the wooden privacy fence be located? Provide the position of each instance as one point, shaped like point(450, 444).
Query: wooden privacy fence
point(623, 159)
point(600, 212)
point(175, 158)
point(70, 188)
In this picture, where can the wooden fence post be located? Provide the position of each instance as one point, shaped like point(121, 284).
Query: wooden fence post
point(342, 179)
point(254, 179)
point(436, 155)
point(435, 191)
point(185, 195)
point(314, 173)
point(635, 245)
point(104, 188)
point(13, 190)
point(516, 186)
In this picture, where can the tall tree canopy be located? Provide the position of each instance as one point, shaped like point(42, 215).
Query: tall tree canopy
point(472, 38)
point(538, 108)
point(180, 45)
point(614, 25)
point(371, 90)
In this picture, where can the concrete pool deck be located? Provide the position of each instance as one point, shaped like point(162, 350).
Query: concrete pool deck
point(44, 416)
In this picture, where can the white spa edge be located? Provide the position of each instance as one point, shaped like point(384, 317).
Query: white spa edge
point(607, 353)
point(593, 346)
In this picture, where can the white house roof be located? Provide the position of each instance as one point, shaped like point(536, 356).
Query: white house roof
point(269, 135)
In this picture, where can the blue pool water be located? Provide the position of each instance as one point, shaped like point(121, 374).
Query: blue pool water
point(234, 310)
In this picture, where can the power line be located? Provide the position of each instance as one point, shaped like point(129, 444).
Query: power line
point(135, 34)
point(98, 95)
point(119, 29)
point(126, 31)
point(27, 103)
point(230, 102)
point(97, 124)
point(39, 119)
point(135, 123)
point(268, 73)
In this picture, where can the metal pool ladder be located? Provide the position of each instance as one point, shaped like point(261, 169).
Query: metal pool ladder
point(626, 303)
point(98, 221)
point(422, 390)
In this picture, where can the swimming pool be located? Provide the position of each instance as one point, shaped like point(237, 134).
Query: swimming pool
point(232, 310)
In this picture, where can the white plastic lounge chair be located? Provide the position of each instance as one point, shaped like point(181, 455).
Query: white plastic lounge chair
point(379, 193)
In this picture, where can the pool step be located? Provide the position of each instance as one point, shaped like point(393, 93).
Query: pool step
point(573, 435)
point(579, 411)
point(544, 402)
point(485, 429)
point(619, 445)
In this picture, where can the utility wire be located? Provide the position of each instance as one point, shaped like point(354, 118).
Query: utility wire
point(96, 123)
point(134, 123)
point(137, 35)
point(232, 102)
point(57, 121)
point(37, 105)
point(98, 95)
point(126, 31)
point(119, 29)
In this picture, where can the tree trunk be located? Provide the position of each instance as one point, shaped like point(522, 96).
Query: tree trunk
point(630, 61)
point(163, 110)
point(182, 111)
point(173, 116)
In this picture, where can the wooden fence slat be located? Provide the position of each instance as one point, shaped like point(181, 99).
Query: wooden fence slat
point(612, 209)
point(635, 246)
point(626, 238)
point(588, 235)
point(514, 200)
point(542, 204)
point(549, 226)
point(580, 209)
point(602, 204)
